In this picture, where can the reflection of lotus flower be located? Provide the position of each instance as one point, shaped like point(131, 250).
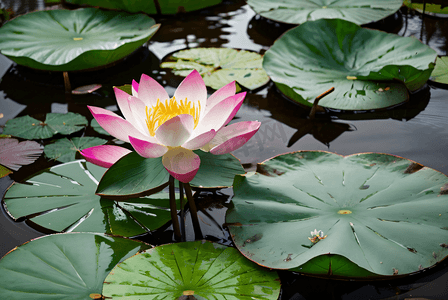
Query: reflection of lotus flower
point(157, 126)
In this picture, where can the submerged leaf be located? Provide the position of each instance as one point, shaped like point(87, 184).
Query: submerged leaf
point(29, 128)
point(373, 212)
point(220, 66)
point(369, 69)
point(428, 7)
point(14, 154)
point(64, 150)
point(191, 270)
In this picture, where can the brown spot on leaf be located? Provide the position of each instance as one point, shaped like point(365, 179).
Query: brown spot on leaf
point(237, 224)
point(253, 239)
point(288, 258)
point(444, 245)
point(434, 255)
point(444, 189)
point(412, 168)
point(268, 171)
point(181, 10)
point(395, 271)
point(412, 250)
point(420, 267)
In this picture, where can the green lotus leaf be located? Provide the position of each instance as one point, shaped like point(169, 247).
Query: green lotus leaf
point(134, 175)
point(203, 269)
point(71, 40)
point(433, 7)
point(369, 69)
point(220, 66)
point(63, 199)
point(29, 128)
point(64, 150)
point(360, 215)
point(300, 11)
point(63, 266)
point(149, 6)
point(440, 73)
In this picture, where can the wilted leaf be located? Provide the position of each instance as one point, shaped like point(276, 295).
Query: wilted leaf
point(14, 154)
point(220, 66)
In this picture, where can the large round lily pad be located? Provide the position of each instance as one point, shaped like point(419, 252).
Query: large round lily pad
point(220, 66)
point(300, 11)
point(69, 40)
point(63, 266)
point(369, 69)
point(63, 199)
point(200, 269)
point(150, 6)
point(360, 215)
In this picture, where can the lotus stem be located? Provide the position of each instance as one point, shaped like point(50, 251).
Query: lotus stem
point(157, 5)
point(173, 208)
point(316, 101)
point(193, 211)
point(68, 87)
point(182, 212)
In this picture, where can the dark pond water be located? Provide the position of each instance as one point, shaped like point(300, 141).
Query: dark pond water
point(417, 130)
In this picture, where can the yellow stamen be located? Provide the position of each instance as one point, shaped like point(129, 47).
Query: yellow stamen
point(163, 111)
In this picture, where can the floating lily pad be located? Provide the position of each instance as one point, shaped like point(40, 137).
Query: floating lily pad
point(376, 214)
point(63, 266)
point(433, 7)
point(202, 269)
point(440, 73)
point(369, 69)
point(300, 11)
point(133, 174)
point(63, 199)
point(150, 6)
point(64, 150)
point(219, 66)
point(14, 154)
point(70, 40)
point(29, 128)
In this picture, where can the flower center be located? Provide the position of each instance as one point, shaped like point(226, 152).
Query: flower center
point(163, 111)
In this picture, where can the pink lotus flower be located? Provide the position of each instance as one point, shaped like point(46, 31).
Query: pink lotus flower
point(157, 125)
